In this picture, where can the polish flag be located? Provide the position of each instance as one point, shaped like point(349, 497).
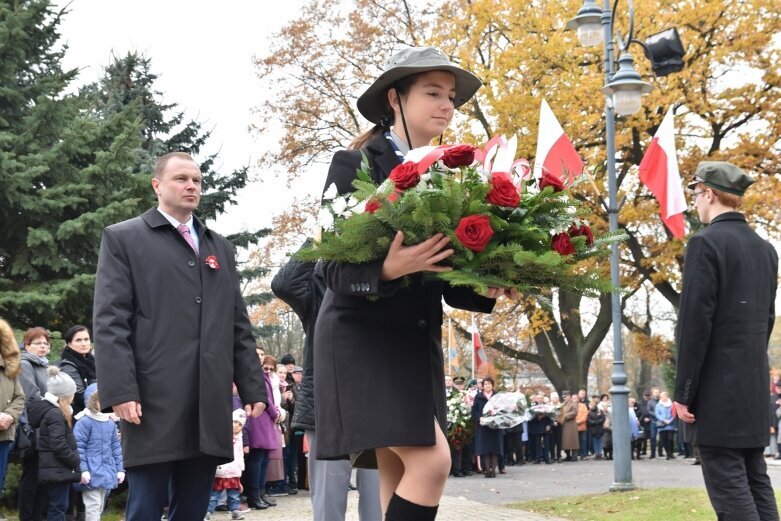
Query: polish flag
point(555, 152)
point(659, 172)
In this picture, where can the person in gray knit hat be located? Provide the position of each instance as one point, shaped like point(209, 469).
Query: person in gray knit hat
point(58, 457)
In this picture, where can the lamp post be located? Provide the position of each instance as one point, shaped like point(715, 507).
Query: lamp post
point(623, 92)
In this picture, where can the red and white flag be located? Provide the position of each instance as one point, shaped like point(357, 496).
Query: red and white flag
point(554, 149)
point(480, 356)
point(659, 172)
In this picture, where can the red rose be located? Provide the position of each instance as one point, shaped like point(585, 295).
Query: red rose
point(459, 155)
point(405, 175)
point(475, 232)
point(393, 197)
point(582, 231)
point(503, 191)
point(549, 179)
point(562, 244)
point(372, 205)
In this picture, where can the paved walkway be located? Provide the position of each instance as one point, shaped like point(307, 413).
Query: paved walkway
point(298, 508)
point(477, 498)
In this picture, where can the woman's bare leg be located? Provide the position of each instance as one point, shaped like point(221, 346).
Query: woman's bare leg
point(391, 470)
point(425, 470)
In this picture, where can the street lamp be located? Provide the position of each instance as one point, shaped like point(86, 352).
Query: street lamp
point(623, 92)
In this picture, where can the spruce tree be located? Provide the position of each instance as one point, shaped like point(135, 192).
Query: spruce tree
point(65, 173)
point(72, 164)
point(129, 81)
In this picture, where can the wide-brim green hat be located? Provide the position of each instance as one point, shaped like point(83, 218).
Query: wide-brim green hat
point(414, 60)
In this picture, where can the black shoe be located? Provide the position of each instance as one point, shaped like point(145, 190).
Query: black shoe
point(221, 508)
point(291, 491)
point(469, 473)
point(256, 503)
point(458, 474)
point(653, 456)
point(267, 500)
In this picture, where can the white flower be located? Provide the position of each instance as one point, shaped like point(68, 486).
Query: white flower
point(339, 205)
point(331, 193)
point(325, 219)
point(352, 202)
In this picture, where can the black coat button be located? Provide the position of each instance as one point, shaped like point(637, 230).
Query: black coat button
point(197, 300)
point(191, 263)
point(422, 324)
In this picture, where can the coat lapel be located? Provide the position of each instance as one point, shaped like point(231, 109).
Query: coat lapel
point(384, 157)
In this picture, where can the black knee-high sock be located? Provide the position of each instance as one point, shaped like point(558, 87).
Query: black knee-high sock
point(399, 509)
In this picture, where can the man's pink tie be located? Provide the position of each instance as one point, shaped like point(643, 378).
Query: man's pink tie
point(185, 232)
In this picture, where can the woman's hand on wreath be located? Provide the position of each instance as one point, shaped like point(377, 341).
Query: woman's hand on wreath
point(404, 260)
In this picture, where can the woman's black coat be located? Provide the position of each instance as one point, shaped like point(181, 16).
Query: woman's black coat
point(596, 423)
point(58, 456)
point(373, 355)
point(487, 440)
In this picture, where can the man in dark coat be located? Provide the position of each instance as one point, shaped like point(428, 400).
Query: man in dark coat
point(171, 334)
point(725, 319)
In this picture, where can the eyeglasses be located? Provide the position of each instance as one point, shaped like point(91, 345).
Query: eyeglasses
point(40, 343)
point(695, 194)
point(267, 369)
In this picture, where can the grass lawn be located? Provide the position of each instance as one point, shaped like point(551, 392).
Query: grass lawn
point(680, 504)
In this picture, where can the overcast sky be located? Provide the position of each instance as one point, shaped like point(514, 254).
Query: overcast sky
point(203, 53)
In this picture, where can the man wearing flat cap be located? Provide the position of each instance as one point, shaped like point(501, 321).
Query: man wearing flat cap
point(725, 318)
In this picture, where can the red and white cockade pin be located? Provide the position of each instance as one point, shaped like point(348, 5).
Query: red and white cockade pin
point(211, 261)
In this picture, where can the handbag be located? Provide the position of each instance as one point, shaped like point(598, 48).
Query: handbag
point(24, 442)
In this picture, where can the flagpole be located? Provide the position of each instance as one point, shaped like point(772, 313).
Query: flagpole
point(450, 346)
point(472, 315)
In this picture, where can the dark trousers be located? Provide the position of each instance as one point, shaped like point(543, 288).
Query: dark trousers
point(513, 448)
point(737, 483)
point(32, 497)
point(290, 456)
point(184, 485)
point(531, 446)
point(58, 500)
point(466, 458)
point(583, 441)
point(652, 430)
point(541, 447)
point(555, 442)
point(666, 441)
point(257, 463)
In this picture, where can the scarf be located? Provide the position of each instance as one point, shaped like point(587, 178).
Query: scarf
point(85, 364)
point(668, 403)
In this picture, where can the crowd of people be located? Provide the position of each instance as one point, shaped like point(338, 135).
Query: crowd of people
point(74, 459)
point(576, 427)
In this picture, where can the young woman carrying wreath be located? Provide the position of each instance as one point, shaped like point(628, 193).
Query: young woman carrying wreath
point(379, 317)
